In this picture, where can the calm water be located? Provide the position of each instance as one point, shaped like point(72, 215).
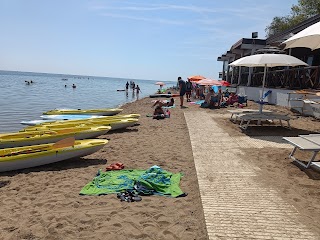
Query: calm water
point(21, 102)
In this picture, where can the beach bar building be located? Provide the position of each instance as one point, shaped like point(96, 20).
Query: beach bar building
point(294, 87)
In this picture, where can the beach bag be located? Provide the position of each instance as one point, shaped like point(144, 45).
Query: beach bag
point(188, 86)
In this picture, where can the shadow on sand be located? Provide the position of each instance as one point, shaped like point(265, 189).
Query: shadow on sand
point(312, 174)
point(58, 166)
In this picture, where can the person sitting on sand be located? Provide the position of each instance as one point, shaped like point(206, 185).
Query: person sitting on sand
point(233, 98)
point(158, 113)
point(207, 99)
point(164, 103)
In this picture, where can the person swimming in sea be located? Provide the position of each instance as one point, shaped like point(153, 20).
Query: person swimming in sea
point(73, 86)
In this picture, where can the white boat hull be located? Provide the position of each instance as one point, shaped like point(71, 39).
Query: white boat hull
point(68, 117)
point(35, 122)
point(52, 157)
point(121, 125)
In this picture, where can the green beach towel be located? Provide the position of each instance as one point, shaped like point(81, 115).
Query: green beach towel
point(155, 179)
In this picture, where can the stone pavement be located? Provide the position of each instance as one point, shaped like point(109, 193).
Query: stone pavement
point(235, 205)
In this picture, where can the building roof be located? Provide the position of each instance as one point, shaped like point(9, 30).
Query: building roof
point(248, 43)
point(240, 46)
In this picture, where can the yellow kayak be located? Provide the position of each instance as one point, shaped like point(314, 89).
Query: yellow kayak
point(36, 155)
point(115, 124)
point(42, 136)
point(102, 112)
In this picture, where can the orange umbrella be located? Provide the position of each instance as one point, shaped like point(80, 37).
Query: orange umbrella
point(225, 83)
point(196, 78)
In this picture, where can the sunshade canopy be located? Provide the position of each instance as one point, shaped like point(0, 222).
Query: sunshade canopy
point(160, 83)
point(209, 82)
point(196, 78)
point(268, 60)
point(308, 38)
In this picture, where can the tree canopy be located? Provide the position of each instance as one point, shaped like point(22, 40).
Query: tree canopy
point(300, 12)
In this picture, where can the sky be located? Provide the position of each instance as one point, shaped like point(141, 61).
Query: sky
point(138, 39)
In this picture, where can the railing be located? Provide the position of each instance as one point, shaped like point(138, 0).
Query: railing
point(294, 78)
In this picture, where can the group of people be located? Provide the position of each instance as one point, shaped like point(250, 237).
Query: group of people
point(220, 99)
point(28, 82)
point(211, 99)
point(133, 86)
point(73, 85)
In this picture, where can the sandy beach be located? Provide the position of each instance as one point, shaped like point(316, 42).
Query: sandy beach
point(44, 202)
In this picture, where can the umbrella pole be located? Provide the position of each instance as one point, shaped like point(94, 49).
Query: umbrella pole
point(263, 83)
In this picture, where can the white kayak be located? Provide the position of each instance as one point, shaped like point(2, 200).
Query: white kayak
point(103, 111)
point(36, 155)
point(68, 116)
point(35, 122)
point(115, 124)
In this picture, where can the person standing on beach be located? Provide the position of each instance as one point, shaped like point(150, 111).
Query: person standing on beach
point(188, 90)
point(182, 90)
point(127, 86)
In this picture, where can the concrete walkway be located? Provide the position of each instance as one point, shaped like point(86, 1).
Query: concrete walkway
point(235, 205)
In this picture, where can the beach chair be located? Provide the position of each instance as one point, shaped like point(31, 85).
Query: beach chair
point(249, 117)
point(236, 112)
point(309, 142)
point(261, 101)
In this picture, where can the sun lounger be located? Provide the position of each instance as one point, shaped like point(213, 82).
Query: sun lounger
point(236, 112)
point(305, 143)
point(246, 118)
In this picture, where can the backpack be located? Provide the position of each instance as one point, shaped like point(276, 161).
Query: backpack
point(188, 85)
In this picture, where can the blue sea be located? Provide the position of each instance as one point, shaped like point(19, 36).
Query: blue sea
point(22, 102)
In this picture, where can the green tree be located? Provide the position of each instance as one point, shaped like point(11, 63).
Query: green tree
point(300, 12)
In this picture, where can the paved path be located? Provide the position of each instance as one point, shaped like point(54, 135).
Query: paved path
point(235, 205)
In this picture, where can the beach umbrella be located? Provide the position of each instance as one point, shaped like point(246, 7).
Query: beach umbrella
point(267, 60)
point(196, 78)
point(209, 82)
point(225, 83)
point(308, 38)
point(160, 83)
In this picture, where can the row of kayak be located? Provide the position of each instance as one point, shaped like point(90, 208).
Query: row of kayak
point(60, 137)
